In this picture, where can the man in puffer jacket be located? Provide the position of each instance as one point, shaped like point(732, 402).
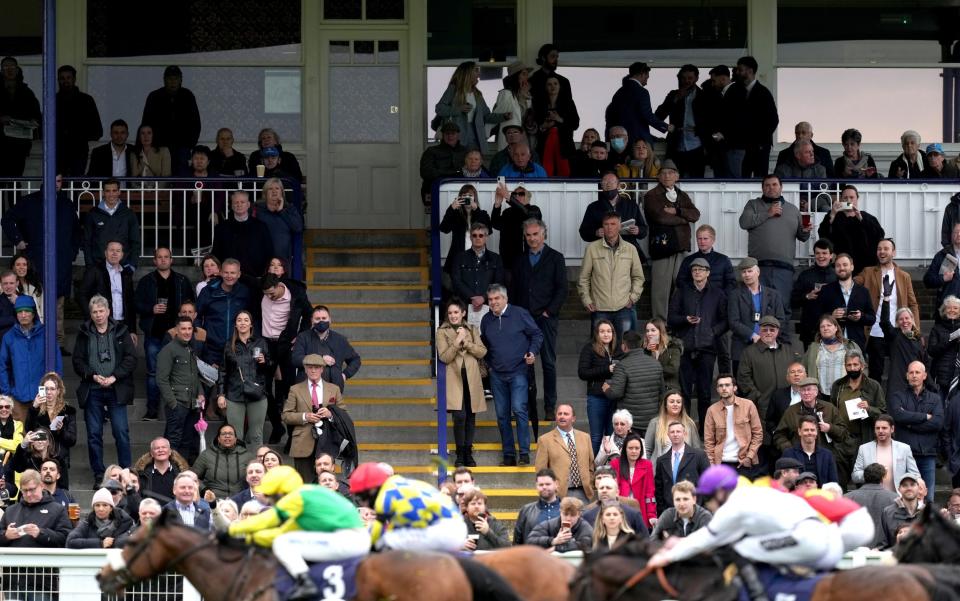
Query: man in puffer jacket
point(223, 466)
point(637, 383)
point(42, 518)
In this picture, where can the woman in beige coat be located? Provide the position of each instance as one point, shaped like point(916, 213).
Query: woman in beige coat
point(461, 350)
point(149, 160)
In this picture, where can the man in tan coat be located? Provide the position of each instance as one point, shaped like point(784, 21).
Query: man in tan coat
point(307, 410)
point(556, 450)
point(611, 278)
point(739, 449)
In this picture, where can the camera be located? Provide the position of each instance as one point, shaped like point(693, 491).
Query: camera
point(41, 435)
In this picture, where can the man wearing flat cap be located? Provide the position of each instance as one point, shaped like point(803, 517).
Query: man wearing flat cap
point(764, 364)
point(827, 428)
point(746, 304)
point(308, 412)
point(441, 160)
point(786, 471)
point(698, 316)
point(669, 211)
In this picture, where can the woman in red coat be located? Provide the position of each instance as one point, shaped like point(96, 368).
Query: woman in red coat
point(635, 477)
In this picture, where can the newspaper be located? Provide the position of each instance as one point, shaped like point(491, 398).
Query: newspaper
point(18, 128)
point(854, 412)
point(949, 264)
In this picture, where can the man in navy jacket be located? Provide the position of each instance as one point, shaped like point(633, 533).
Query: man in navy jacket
point(918, 412)
point(513, 340)
point(539, 285)
point(848, 302)
point(630, 107)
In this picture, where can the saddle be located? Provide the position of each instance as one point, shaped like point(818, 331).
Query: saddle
point(783, 584)
point(336, 580)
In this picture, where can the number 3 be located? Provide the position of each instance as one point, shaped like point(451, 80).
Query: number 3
point(333, 576)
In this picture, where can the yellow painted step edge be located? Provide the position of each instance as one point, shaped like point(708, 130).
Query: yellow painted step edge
point(396, 423)
point(381, 324)
point(377, 401)
point(429, 469)
point(396, 362)
point(389, 343)
point(391, 382)
point(396, 269)
point(367, 250)
point(354, 286)
point(428, 446)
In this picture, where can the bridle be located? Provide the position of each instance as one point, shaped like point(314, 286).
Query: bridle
point(640, 576)
point(125, 576)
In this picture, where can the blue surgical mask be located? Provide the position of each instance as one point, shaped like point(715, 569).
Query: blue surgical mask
point(321, 326)
point(618, 144)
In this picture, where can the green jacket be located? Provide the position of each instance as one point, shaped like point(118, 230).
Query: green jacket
point(178, 377)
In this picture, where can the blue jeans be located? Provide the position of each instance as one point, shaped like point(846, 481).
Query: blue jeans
point(735, 162)
point(510, 400)
point(151, 348)
point(927, 464)
point(624, 320)
point(97, 400)
point(600, 417)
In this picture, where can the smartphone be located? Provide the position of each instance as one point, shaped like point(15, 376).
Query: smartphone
point(41, 435)
point(501, 181)
point(565, 525)
point(473, 537)
point(42, 392)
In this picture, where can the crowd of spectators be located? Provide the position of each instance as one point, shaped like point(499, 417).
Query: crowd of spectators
point(824, 375)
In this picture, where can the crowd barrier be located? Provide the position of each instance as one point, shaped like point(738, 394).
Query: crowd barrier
point(173, 212)
point(62, 575)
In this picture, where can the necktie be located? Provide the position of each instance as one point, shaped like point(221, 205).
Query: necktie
point(313, 396)
point(575, 481)
point(676, 465)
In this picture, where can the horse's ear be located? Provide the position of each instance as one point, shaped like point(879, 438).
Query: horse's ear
point(166, 516)
point(929, 513)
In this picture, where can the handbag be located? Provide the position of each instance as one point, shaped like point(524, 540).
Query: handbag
point(251, 390)
point(663, 241)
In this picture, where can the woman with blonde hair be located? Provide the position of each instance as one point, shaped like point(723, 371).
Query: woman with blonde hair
point(51, 411)
point(460, 348)
point(904, 344)
point(665, 349)
point(826, 357)
point(644, 164)
point(462, 104)
point(672, 409)
point(611, 528)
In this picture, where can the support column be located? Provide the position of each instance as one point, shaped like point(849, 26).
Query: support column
point(534, 28)
point(762, 40)
point(311, 18)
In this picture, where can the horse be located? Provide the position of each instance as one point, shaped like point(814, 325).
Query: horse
point(932, 538)
point(237, 572)
point(621, 575)
point(532, 572)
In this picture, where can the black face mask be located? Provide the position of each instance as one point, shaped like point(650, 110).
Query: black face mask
point(854, 374)
point(607, 194)
point(321, 326)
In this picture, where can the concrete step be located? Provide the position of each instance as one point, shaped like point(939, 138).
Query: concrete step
point(367, 257)
point(356, 312)
point(368, 275)
point(395, 349)
point(366, 238)
point(412, 453)
point(396, 368)
point(390, 330)
point(392, 409)
point(424, 431)
point(325, 293)
point(394, 388)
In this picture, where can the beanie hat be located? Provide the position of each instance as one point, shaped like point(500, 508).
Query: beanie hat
point(24, 303)
point(103, 496)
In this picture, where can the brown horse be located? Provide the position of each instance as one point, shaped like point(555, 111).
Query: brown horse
point(607, 577)
point(234, 572)
point(931, 539)
point(534, 574)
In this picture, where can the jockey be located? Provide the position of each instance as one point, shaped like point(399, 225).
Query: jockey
point(414, 516)
point(411, 514)
point(854, 522)
point(305, 523)
point(762, 523)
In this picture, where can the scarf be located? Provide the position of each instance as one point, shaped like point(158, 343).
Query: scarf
point(850, 166)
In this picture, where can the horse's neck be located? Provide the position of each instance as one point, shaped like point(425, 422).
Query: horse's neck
point(217, 579)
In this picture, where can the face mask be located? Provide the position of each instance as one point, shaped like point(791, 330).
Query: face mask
point(854, 374)
point(618, 144)
point(321, 326)
point(608, 194)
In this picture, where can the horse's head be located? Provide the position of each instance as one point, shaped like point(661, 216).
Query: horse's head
point(931, 539)
point(149, 551)
point(602, 574)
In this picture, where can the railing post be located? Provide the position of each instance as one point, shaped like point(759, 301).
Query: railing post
point(436, 281)
point(51, 350)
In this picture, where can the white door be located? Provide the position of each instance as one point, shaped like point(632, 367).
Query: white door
point(365, 181)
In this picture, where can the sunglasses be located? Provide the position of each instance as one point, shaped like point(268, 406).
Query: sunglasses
point(478, 235)
point(6, 406)
point(520, 193)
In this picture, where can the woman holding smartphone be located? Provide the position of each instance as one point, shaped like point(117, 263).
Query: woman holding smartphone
point(484, 532)
point(242, 391)
point(50, 411)
point(598, 358)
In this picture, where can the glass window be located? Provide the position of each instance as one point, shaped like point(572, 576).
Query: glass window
point(478, 29)
point(245, 99)
point(249, 30)
point(602, 30)
point(881, 103)
point(343, 9)
point(385, 9)
point(869, 32)
point(21, 29)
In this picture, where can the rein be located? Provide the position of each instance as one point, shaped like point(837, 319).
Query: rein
point(639, 576)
